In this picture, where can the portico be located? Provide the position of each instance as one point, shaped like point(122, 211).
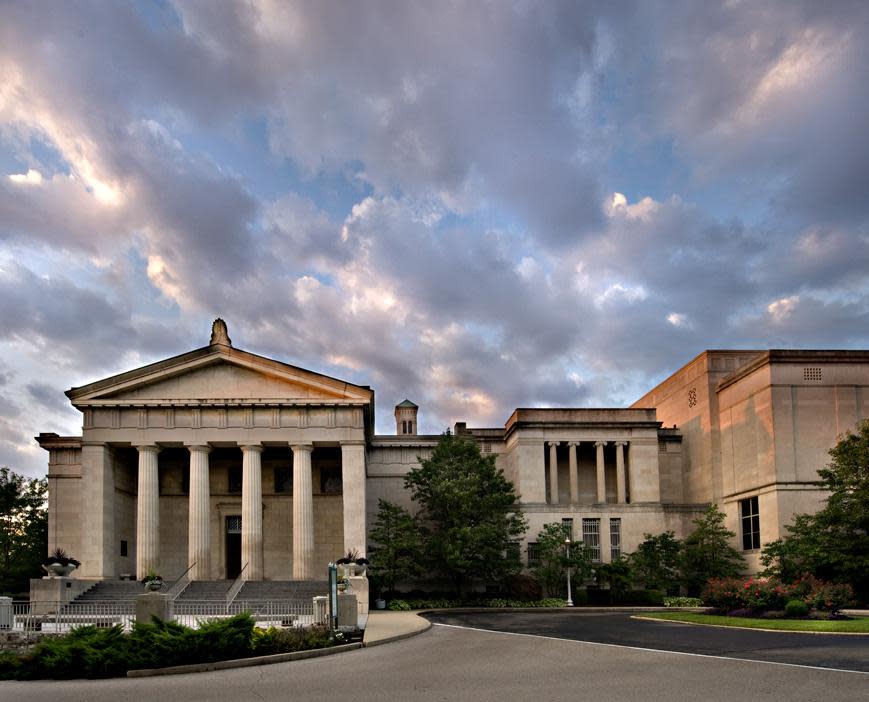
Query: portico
point(171, 452)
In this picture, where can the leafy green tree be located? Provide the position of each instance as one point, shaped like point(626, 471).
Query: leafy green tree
point(553, 562)
point(23, 529)
point(395, 550)
point(616, 575)
point(832, 544)
point(707, 552)
point(470, 513)
point(655, 563)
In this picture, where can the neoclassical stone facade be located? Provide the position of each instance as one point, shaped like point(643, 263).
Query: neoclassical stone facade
point(221, 463)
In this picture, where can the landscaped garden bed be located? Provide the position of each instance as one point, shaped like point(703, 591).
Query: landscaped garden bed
point(89, 652)
point(856, 625)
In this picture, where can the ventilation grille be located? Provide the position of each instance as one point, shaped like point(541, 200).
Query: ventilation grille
point(692, 397)
point(812, 374)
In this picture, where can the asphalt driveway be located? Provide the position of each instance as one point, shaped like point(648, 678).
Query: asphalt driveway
point(818, 650)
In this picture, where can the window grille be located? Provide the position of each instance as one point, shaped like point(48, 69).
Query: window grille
point(233, 525)
point(486, 447)
point(662, 447)
point(533, 554)
point(567, 525)
point(750, 518)
point(615, 539)
point(591, 537)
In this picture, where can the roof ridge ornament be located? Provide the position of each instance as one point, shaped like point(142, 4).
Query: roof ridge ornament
point(219, 333)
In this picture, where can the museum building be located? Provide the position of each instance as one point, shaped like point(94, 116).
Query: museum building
point(220, 464)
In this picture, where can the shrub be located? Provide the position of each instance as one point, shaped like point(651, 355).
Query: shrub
point(641, 598)
point(683, 602)
point(830, 597)
point(522, 587)
point(796, 608)
point(398, 606)
point(272, 640)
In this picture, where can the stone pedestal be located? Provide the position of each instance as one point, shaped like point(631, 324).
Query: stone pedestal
point(359, 587)
point(47, 593)
point(348, 610)
point(154, 604)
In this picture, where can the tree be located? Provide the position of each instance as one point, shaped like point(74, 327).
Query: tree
point(833, 543)
point(23, 529)
point(470, 512)
point(395, 545)
point(552, 560)
point(707, 552)
point(617, 576)
point(655, 563)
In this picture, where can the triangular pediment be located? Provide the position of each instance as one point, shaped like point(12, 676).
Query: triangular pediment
point(220, 373)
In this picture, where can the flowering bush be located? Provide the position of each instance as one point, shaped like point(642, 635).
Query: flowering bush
point(762, 594)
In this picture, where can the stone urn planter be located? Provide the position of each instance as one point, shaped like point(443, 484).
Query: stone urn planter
point(59, 564)
point(152, 582)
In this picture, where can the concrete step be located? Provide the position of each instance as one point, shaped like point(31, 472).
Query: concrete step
point(206, 590)
point(115, 590)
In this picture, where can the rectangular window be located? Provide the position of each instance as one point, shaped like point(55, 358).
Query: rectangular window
point(591, 537)
point(330, 481)
point(283, 479)
point(567, 525)
point(234, 479)
point(123, 548)
point(750, 517)
point(615, 539)
point(533, 554)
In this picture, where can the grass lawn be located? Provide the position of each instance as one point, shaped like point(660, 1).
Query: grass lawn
point(858, 625)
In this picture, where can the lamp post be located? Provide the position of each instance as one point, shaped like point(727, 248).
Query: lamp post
point(567, 546)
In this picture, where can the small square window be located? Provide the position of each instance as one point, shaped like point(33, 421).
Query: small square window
point(750, 519)
point(123, 548)
point(234, 479)
point(615, 539)
point(567, 525)
point(283, 479)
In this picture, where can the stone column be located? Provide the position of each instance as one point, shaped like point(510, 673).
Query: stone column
point(303, 514)
point(553, 472)
point(353, 488)
point(574, 472)
point(199, 517)
point(97, 545)
point(252, 512)
point(620, 471)
point(601, 475)
point(148, 513)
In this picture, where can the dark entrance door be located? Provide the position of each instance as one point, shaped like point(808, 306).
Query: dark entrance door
point(233, 547)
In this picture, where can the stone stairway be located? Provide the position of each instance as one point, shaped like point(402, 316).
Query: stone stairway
point(114, 591)
point(206, 591)
point(281, 591)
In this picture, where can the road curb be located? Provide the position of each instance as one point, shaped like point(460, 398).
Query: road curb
point(399, 637)
point(242, 662)
point(752, 628)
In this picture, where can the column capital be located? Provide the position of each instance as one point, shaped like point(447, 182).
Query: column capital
point(574, 443)
point(302, 447)
point(147, 448)
point(254, 447)
point(199, 448)
point(600, 443)
point(621, 443)
point(552, 443)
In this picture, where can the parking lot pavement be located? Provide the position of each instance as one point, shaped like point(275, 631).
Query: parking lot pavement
point(814, 650)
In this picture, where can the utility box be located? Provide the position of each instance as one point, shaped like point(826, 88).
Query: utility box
point(348, 611)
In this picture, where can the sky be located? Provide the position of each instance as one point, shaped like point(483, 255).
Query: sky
point(474, 205)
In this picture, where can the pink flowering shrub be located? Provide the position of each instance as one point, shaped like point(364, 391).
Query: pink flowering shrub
point(761, 594)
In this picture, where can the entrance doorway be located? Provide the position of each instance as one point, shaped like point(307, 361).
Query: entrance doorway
point(233, 547)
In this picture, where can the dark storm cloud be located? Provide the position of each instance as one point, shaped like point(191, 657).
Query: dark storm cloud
point(487, 269)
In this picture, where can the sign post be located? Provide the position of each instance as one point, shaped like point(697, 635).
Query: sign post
point(333, 595)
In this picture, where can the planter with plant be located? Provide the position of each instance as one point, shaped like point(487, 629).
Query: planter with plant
point(152, 581)
point(352, 564)
point(60, 564)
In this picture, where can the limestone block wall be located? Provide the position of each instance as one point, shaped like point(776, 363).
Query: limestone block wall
point(64, 500)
